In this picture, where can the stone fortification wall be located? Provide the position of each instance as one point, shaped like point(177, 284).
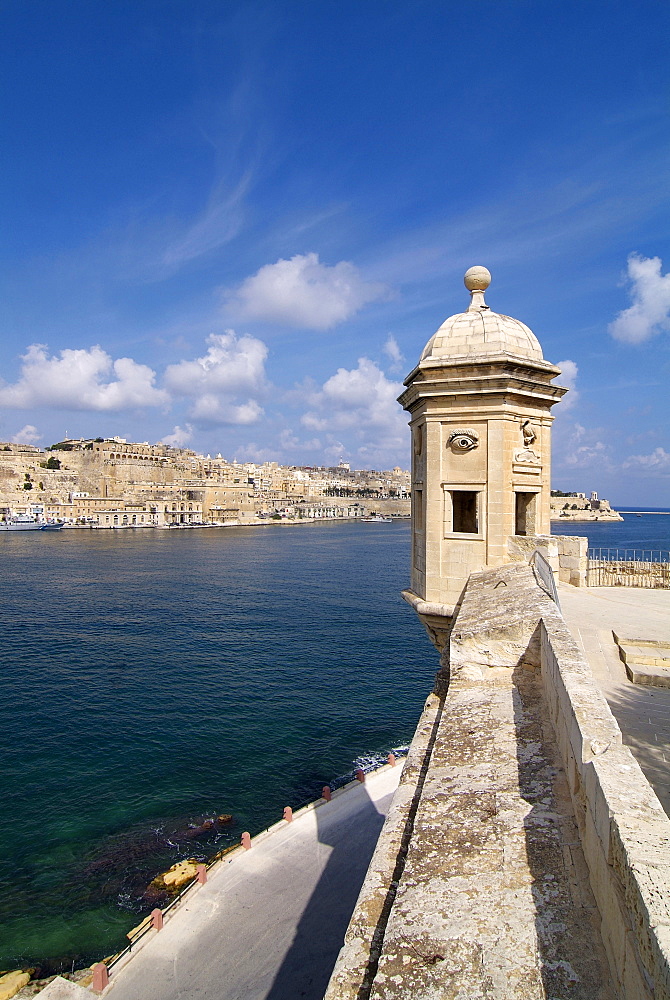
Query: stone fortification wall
point(393, 507)
point(623, 828)
point(525, 854)
point(566, 554)
point(580, 509)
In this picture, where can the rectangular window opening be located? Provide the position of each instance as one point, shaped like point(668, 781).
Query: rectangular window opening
point(524, 514)
point(464, 511)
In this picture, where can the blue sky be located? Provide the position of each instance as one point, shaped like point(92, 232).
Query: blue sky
point(235, 225)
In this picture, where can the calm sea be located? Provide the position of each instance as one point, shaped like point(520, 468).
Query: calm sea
point(650, 532)
point(154, 679)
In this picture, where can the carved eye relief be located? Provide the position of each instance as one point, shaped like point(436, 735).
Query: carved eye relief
point(463, 440)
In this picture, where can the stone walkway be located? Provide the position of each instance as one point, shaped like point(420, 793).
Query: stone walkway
point(269, 923)
point(643, 713)
point(501, 907)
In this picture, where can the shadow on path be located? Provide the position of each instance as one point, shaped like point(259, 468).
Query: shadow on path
point(309, 962)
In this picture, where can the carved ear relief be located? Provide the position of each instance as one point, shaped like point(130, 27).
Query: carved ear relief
point(464, 439)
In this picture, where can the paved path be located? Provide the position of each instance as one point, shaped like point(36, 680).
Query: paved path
point(643, 713)
point(269, 923)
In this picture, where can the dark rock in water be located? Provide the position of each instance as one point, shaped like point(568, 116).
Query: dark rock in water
point(197, 831)
point(205, 827)
point(124, 851)
point(154, 896)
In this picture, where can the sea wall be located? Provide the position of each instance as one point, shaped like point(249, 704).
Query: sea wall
point(469, 838)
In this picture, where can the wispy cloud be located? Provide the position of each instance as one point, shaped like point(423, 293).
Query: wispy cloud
point(392, 351)
point(656, 463)
point(568, 378)
point(219, 223)
point(579, 447)
point(578, 209)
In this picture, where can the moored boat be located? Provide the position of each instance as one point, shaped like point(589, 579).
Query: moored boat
point(29, 522)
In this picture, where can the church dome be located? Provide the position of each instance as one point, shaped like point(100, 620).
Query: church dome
point(480, 333)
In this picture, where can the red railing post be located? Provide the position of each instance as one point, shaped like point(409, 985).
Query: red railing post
point(391, 759)
point(245, 840)
point(202, 874)
point(326, 793)
point(360, 774)
point(157, 919)
point(288, 814)
point(100, 977)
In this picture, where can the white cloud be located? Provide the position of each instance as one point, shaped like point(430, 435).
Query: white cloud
point(179, 437)
point(303, 292)
point(216, 409)
point(335, 451)
point(27, 435)
point(255, 454)
point(568, 378)
point(81, 380)
point(362, 401)
point(291, 442)
point(232, 367)
point(657, 462)
point(650, 311)
point(392, 351)
point(584, 449)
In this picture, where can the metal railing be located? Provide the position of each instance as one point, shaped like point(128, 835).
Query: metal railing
point(148, 924)
point(628, 568)
point(545, 576)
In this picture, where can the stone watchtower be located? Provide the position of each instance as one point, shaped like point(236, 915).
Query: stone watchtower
point(480, 401)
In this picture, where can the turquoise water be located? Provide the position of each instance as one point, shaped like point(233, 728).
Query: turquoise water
point(153, 679)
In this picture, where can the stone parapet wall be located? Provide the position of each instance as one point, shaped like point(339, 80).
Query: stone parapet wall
point(518, 800)
point(624, 831)
point(566, 554)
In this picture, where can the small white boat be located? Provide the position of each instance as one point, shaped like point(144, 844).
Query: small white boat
point(29, 522)
point(376, 518)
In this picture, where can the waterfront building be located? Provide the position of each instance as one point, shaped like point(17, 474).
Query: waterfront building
point(110, 481)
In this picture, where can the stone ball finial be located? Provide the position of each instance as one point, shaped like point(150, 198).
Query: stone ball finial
point(477, 278)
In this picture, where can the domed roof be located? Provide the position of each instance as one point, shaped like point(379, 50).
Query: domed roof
point(480, 333)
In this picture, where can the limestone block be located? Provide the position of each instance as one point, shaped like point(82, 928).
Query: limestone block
point(572, 545)
point(613, 928)
point(569, 562)
point(12, 982)
point(493, 629)
point(634, 983)
point(661, 951)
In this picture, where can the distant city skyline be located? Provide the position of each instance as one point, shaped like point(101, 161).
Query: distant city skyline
point(233, 227)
